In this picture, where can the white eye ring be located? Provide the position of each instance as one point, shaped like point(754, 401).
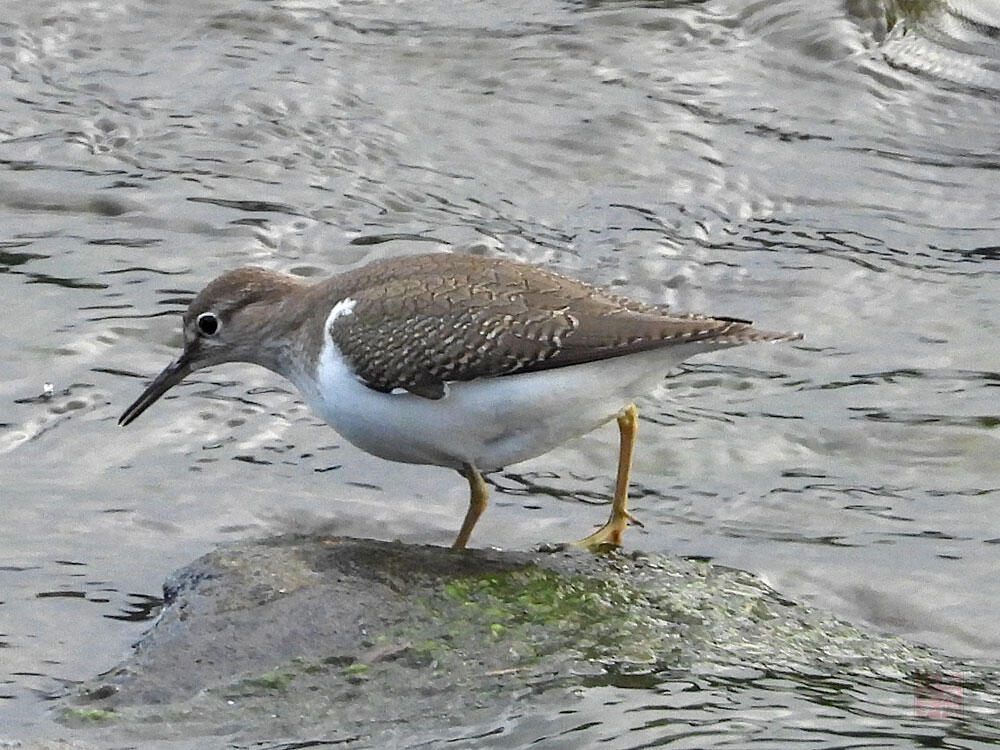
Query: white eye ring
point(208, 323)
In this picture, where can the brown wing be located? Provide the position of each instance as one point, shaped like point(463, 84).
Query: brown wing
point(448, 318)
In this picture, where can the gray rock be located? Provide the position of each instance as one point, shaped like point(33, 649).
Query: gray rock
point(366, 643)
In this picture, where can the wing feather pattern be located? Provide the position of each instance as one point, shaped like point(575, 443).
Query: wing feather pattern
point(441, 318)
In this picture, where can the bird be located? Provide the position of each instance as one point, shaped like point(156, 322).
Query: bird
point(463, 361)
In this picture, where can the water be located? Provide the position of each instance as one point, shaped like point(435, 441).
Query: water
point(817, 166)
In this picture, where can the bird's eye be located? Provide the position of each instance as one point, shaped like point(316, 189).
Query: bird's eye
point(208, 323)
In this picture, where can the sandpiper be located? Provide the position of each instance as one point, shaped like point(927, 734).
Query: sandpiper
point(452, 360)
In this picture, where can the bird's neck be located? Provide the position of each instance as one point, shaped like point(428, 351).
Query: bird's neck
point(292, 330)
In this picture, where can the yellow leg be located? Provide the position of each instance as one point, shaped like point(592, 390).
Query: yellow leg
point(611, 532)
point(478, 495)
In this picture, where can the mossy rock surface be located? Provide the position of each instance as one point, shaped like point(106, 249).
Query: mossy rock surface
point(371, 643)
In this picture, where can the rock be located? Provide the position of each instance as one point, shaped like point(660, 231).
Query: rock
point(361, 642)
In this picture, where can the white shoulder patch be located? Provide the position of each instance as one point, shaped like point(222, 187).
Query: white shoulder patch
point(342, 308)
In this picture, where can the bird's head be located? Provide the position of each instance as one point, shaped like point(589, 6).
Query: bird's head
point(231, 320)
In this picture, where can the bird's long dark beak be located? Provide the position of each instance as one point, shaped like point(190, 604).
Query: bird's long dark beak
point(172, 374)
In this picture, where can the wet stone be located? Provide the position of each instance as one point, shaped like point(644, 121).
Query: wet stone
point(362, 642)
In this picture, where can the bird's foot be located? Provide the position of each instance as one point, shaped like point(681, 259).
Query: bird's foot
point(609, 536)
